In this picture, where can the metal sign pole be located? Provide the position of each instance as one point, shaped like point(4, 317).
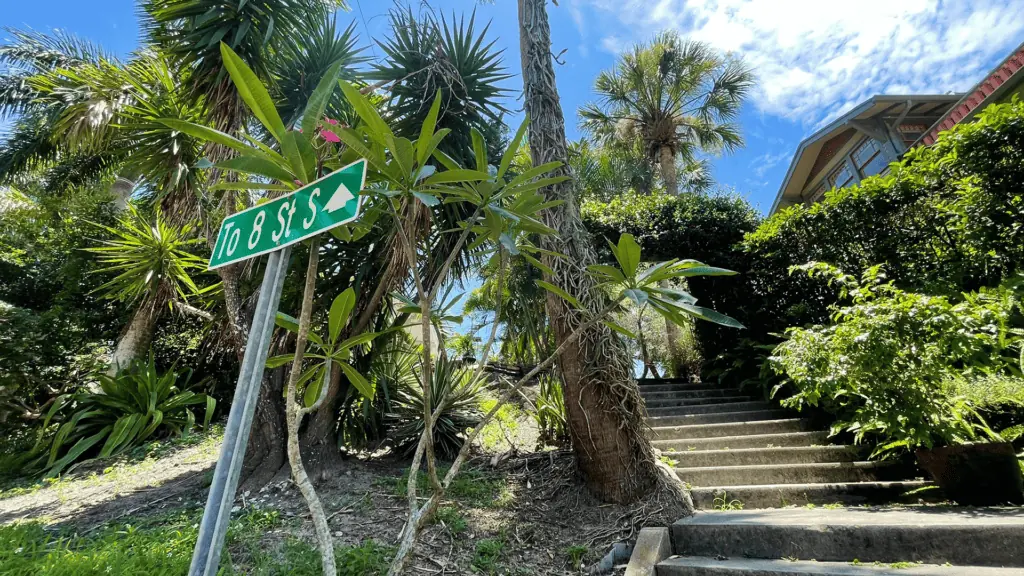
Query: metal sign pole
point(212, 530)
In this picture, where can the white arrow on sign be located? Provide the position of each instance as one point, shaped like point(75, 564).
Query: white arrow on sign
point(341, 197)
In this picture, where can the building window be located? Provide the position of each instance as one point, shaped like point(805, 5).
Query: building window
point(869, 159)
point(818, 192)
point(841, 176)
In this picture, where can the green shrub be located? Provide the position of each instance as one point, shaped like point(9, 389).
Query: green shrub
point(883, 367)
point(495, 434)
point(451, 519)
point(945, 219)
point(131, 407)
point(708, 228)
point(460, 393)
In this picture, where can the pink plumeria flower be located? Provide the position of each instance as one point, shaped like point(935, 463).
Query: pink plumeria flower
point(330, 121)
point(329, 136)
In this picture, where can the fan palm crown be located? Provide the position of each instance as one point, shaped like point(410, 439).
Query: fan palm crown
point(676, 97)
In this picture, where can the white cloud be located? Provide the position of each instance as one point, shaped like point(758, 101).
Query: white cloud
point(765, 162)
point(815, 59)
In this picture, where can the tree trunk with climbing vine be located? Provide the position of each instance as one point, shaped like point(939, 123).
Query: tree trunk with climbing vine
point(605, 411)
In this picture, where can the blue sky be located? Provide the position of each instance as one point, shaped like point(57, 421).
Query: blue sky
point(815, 59)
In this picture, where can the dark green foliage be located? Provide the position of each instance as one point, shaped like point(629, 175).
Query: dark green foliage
point(129, 408)
point(886, 366)
point(299, 66)
point(51, 325)
point(456, 400)
point(705, 228)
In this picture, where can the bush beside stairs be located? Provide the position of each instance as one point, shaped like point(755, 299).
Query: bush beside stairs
point(734, 449)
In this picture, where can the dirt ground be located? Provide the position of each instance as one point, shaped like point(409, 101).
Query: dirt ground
point(527, 512)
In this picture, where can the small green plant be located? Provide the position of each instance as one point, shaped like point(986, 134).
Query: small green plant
point(722, 503)
point(575, 553)
point(502, 428)
point(451, 519)
point(135, 405)
point(832, 506)
point(670, 462)
point(488, 552)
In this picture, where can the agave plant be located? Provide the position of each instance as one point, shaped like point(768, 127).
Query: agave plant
point(131, 407)
point(455, 396)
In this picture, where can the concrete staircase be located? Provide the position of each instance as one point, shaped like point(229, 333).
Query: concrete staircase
point(914, 541)
point(741, 449)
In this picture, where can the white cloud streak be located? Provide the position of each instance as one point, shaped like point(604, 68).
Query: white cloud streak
point(815, 59)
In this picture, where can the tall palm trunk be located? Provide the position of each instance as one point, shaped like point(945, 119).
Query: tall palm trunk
point(137, 337)
point(605, 412)
point(667, 162)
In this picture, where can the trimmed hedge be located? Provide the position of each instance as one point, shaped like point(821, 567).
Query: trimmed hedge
point(705, 228)
point(946, 219)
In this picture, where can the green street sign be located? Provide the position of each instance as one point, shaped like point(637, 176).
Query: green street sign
point(321, 205)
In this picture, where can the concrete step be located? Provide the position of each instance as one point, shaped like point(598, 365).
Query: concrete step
point(703, 566)
point(782, 495)
point(709, 408)
point(745, 456)
point(677, 387)
point(738, 417)
point(724, 476)
point(661, 429)
point(657, 381)
point(683, 444)
point(704, 393)
point(929, 534)
point(674, 402)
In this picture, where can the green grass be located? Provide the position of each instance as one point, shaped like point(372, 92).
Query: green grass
point(472, 487)
point(162, 545)
point(492, 437)
point(155, 548)
point(488, 553)
point(139, 460)
point(450, 518)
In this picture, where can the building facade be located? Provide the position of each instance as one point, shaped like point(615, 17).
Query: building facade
point(866, 139)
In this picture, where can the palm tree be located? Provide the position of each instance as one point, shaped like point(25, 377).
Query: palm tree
point(32, 148)
point(151, 263)
point(675, 97)
point(605, 411)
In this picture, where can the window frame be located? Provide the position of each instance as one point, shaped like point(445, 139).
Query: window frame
point(878, 153)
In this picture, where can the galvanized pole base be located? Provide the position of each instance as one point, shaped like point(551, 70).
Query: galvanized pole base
point(206, 558)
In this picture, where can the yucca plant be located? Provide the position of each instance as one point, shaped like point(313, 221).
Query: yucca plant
point(455, 396)
point(136, 404)
point(425, 55)
point(151, 264)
